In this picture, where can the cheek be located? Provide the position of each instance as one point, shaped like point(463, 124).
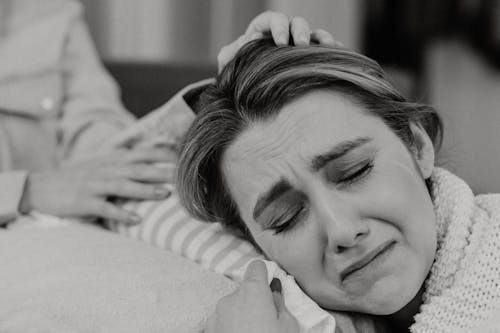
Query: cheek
point(392, 195)
point(299, 251)
point(398, 195)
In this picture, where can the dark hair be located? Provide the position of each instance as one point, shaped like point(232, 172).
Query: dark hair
point(254, 86)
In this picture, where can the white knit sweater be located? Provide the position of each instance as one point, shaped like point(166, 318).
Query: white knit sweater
point(463, 288)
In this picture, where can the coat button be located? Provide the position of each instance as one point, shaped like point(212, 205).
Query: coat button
point(47, 103)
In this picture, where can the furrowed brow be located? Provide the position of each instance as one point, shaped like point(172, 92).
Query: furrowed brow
point(276, 190)
point(339, 150)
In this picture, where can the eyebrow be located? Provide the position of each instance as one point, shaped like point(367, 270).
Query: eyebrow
point(278, 189)
point(339, 150)
point(282, 186)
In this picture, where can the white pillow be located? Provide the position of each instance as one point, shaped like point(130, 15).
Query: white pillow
point(70, 277)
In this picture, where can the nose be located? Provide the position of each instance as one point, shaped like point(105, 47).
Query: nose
point(343, 226)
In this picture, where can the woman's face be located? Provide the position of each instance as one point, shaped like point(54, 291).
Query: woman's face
point(335, 197)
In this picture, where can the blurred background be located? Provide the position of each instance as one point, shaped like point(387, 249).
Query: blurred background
point(446, 53)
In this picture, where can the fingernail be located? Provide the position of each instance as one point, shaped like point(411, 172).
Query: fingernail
point(161, 192)
point(275, 285)
point(329, 41)
point(134, 219)
point(255, 36)
point(283, 39)
point(302, 38)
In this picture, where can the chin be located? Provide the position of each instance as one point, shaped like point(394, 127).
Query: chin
point(385, 297)
point(387, 308)
point(390, 300)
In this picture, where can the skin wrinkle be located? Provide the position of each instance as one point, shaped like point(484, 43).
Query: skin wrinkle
point(344, 154)
point(382, 209)
point(285, 132)
point(278, 190)
point(290, 200)
point(270, 153)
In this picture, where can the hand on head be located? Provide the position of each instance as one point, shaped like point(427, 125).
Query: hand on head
point(283, 31)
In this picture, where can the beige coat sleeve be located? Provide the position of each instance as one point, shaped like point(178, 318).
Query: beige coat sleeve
point(92, 111)
point(170, 121)
point(11, 191)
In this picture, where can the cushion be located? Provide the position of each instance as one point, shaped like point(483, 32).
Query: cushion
point(167, 225)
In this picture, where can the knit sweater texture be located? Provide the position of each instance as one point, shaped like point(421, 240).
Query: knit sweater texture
point(462, 291)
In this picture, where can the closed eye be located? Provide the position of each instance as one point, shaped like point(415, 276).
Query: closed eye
point(291, 221)
point(357, 174)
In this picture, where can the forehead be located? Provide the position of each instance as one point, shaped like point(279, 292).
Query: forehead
point(309, 125)
point(283, 147)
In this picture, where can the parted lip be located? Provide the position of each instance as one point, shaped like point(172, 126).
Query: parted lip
point(366, 259)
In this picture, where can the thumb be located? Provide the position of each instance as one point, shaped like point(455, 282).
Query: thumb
point(286, 319)
point(284, 316)
point(256, 271)
point(278, 298)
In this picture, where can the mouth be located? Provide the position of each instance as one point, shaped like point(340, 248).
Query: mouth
point(367, 259)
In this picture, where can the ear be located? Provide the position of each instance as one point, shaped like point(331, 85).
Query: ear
point(423, 150)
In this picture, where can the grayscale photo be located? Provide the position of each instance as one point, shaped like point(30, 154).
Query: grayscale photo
point(250, 166)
